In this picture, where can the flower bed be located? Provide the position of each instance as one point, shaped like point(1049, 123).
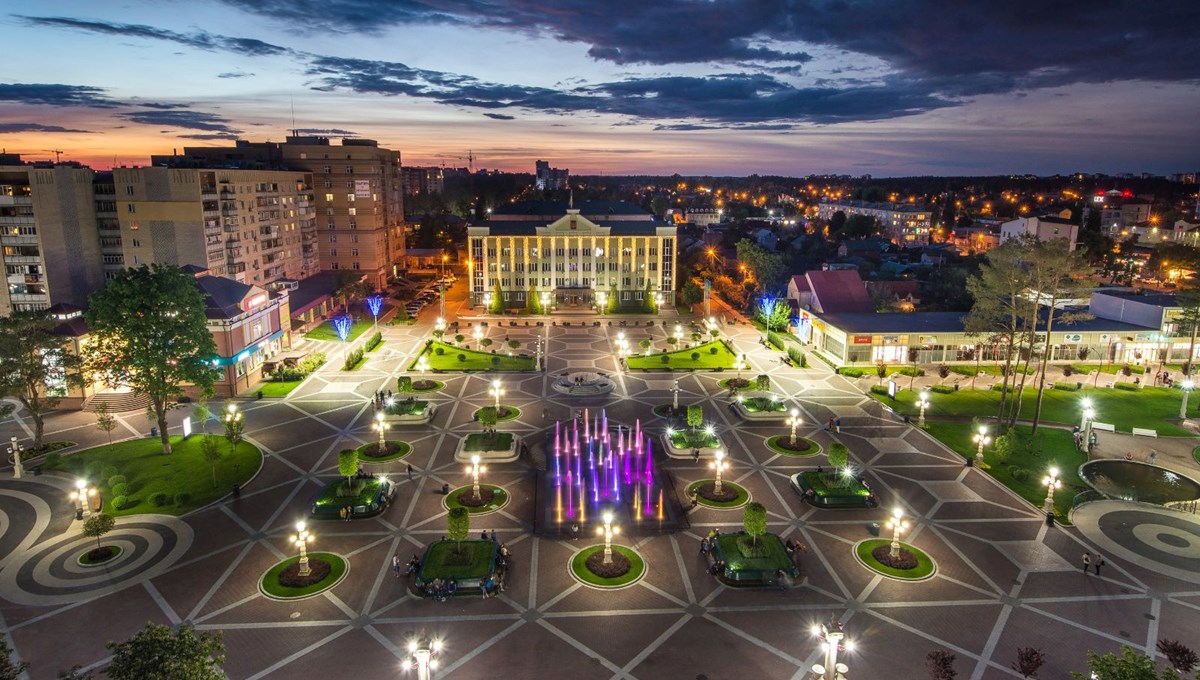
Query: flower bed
point(912, 565)
point(491, 498)
point(704, 493)
point(803, 447)
point(393, 450)
point(283, 581)
point(581, 569)
point(100, 555)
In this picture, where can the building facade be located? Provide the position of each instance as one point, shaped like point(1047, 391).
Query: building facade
point(547, 178)
point(572, 257)
point(249, 325)
point(1043, 228)
point(423, 181)
point(905, 225)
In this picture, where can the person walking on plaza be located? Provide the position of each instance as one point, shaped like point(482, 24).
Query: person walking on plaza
point(396, 564)
point(1153, 457)
point(410, 472)
point(829, 427)
point(837, 424)
point(1099, 562)
point(1087, 561)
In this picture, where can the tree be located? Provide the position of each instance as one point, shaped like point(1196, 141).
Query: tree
point(857, 227)
point(691, 294)
point(768, 268)
point(695, 416)
point(212, 454)
point(497, 299)
point(34, 366)
point(774, 313)
point(458, 525)
point(8, 669)
point(349, 288)
point(1129, 665)
point(914, 355)
point(235, 429)
point(659, 205)
point(533, 302)
point(940, 665)
point(98, 525)
point(149, 332)
point(763, 382)
point(754, 520)
point(839, 455)
point(648, 304)
point(1189, 321)
point(202, 412)
point(488, 417)
point(348, 465)
point(1058, 274)
point(1181, 657)
point(157, 653)
point(646, 345)
point(1029, 660)
point(106, 422)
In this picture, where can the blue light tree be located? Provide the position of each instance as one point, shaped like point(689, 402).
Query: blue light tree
point(342, 325)
point(374, 305)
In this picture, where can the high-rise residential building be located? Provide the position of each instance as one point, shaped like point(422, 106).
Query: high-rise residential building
point(904, 225)
point(572, 255)
point(49, 242)
point(423, 181)
point(253, 226)
point(357, 191)
point(550, 179)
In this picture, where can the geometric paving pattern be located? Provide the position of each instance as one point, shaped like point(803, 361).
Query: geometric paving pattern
point(1004, 578)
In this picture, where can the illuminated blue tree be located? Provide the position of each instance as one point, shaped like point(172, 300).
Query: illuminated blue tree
point(375, 305)
point(342, 325)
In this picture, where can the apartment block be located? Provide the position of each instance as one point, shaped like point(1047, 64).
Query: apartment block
point(423, 181)
point(49, 242)
point(905, 225)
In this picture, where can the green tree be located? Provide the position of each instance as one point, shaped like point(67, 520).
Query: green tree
point(235, 427)
point(768, 268)
point(754, 520)
point(763, 382)
point(691, 294)
point(149, 332)
point(212, 454)
point(695, 416)
point(348, 465)
point(839, 455)
point(533, 302)
point(458, 525)
point(646, 345)
point(106, 422)
point(404, 384)
point(157, 653)
point(98, 525)
point(488, 417)
point(8, 669)
point(659, 205)
point(1058, 274)
point(497, 299)
point(774, 313)
point(1128, 665)
point(1181, 657)
point(648, 305)
point(1029, 661)
point(202, 412)
point(1189, 322)
point(514, 345)
point(34, 366)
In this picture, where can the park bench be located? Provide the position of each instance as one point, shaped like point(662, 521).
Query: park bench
point(1107, 427)
point(1145, 432)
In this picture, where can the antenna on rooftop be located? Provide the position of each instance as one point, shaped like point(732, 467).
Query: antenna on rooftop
point(293, 116)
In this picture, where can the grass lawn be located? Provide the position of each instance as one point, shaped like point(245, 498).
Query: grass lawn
point(970, 369)
point(406, 407)
point(496, 441)
point(473, 360)
point(337, 568)
point(694, 439)
point(443, 560)
point(326, 331)
point(924, 562)
point(682, 358)
point(741, 553)
point(505, 413)
point(831, 483)
point(499, 498)
point(637, 567)
point(1151, 407)
point(743, 496)
point(872, 372)
point(779, 444)
point(1026, 467)
point(763, 405)
point(434, 385)
point(148, 471)
point(364, 493)
point(276, 389)
point(402, 449)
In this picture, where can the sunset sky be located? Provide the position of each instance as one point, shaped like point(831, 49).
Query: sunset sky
point(884, 87)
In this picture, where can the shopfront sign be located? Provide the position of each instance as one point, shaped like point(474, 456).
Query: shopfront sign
point(362, 188)
point(862, 340)
point(1073, 338)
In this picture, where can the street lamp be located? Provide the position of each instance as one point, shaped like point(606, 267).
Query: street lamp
point(608, 531)
point(981, 440)
point(423, 364)
point(833, 641)
point(496, 390)
point(1052, 483)
point(478, 333)
point(474, 469)
point(1089, 414)
point(922, 403)
point(896, 524)
point(601, 299)
point(675, 397)
point(678, 332)
point(301, 538)
point(739, 365)
point(232, 415)
point(423, 656)
point(794, 420)
point(15, 450)
point(82, 493)
point(718, 466)
point(1187, 386)
point(380, 426)
point(440, 324)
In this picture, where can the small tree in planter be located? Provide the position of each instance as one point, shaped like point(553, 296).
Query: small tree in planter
point(763, 382)
point(458, 526)
point(881, 371)
point(645, 345)
point(235, 429)
point(202, 412)
point(404, 384)
point(488, 416)
point(439, 333)
point(1029, 660)
point(943, 372)
point(1181, 657)
point(458, 338)
point(914, 354)
point(212, 454)
point(941, 665)
point(695, 416)
point(98, 525)
point(754, 520)
point(107, 422)
point(348, 467)
point(486, 342)
point(514, 344)
point(839, 458)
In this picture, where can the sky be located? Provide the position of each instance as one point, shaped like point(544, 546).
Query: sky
point(722, 87)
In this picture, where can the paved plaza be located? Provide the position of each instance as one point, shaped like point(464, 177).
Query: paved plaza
point(1004, 579)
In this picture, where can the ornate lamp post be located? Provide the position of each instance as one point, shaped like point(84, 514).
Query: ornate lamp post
point(1187, 386)
point(381, 426)
point(423, 656)
point(1052, 483)
point(608, 531)
point(496, 391)
point(601, 299)
point(739, 365)
point(675, 397)
point(423, 364)
point(474, 469)
point(981, 440)
point(1089, 415)
point(896, 524)
point(833, 641)
point(232, 416)
point(1086, 416)
point(478, 333)
point(81, 496)
point(718, 466)
point(922, 403)
point(15, 450)
point(301, 539)
point(793, 421)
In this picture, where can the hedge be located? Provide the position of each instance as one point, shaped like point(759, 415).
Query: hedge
point(374, 340)
point(1067, 386)
point(1127, 386)
point(352, 358)
point(775, 341)
point(942, 389)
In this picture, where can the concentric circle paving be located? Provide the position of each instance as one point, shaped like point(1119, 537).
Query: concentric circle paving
point(1162, 540)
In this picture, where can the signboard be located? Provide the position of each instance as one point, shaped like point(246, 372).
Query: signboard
point(187, 427)
point(1073, 338)
point(928, 340)
point(1147, 336)
point(891, 339)
point(1106, 337)
point(892, 389)
point(362, 188)
point(819, 325)
point(862, 340)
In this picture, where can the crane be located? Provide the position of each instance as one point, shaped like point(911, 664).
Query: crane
point(57, 154)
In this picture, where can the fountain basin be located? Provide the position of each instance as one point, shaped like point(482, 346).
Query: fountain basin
point(1134, 481)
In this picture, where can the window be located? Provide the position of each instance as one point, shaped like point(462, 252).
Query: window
point(350, 198)
point(328, 184)
point(137, 243)
point(354, 252)
point(354, 238)
point(333, 252)
point(131, 208)
point(334, 265)
point(333, 238)
point(329, 198)
point(350, 171)
point(356, 265)
point(129, 190)
point(351, 211)
point(327, 169)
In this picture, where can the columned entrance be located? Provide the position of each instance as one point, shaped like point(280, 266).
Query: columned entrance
point(573, 297)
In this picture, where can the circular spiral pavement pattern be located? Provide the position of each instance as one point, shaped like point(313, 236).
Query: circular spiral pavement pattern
point(1162, 540)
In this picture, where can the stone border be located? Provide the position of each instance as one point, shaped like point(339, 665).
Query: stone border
point(410, 419)
point(105, 563)
point(768, 416)
point(701, 501)
point(686, 454)
point(262, 591)
point(637, 579)
point(816, 449)
point(484, 510)
point(902, 579)
point(509, 455)
point(368, 461)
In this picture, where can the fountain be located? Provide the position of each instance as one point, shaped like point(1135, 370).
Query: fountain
point(593, 467)
point(1135, 481)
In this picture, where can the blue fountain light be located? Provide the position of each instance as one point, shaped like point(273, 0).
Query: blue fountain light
point(342, 326)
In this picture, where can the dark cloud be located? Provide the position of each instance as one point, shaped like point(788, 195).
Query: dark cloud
point(198, 39)
point(161, 105)
point(500, 116)
point(190, 120)
point(235, 74)
point(207, 135)
point(54, 94)
point(8, 128)
point(325, 131)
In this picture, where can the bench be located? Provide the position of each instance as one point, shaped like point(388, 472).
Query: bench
point(1107, 427)
point(1145, 432)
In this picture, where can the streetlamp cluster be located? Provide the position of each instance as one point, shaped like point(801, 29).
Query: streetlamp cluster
point(422, 656)
point(496, 391)
point(301, 538)
point(793, 420)
point(381, 426)
point(922, 403)
point(981, 440)
point(833, 641)
point(82, 497)
point(475, 469)
point(622, 347)
point(608, 531)
point(718, 466)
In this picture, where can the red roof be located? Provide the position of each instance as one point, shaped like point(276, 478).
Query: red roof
point(839, 292)
point(801, 283)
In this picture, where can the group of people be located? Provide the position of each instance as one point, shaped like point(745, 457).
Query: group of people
point(1091, 561)
point(381, 398)
point(834, 424)
point(1081, 444)
point(1164, 377)
point(439, 589)
point(410, 568)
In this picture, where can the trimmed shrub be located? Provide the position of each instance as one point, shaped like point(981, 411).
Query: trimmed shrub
point(158, 499)
point(462, 357)
point(775, 341)
point(116, 479)
point(1018, 473)
point(666, 359)
point(495, 361)
point(353, 357)
point(1130, 387)
point(439, 351)
point(879, 389)
point(404, 384)
point(942, 389)
point(851, 372)
point(183, 498)
point(712, 350)
point(374, 340)
point(695, 356)
point(1067, 386)
point(121, 489)
point(119, 502)
point(110, 471)
point(911, 371)
point(999, 387)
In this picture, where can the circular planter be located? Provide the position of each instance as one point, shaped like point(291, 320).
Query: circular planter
point(85, 558)
point(509, 413)
point(463, 498)
point(664, 411)
point(925, 566)
point(269, 584)
point(779, 444)
point(578, 566)
point(395, 451)
point(740, 498)
point(724, 383)
point(437, 385)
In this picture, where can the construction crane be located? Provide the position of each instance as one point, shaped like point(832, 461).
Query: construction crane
point(470, 161)
point(57, 154)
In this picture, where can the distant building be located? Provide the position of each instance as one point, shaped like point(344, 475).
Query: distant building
point(1118, 209)
point(551, 179)
point(905, 225)
point(704, 217)
point(1044, 228)
point(423, 181)
point(249, 325)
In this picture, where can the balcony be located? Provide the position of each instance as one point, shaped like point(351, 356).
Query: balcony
point(19, 240)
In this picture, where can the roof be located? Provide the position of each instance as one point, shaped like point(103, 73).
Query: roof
point(193, 269)
point(1054, 219)
point(223, 297)
point(801, 283)
point(312, 290)
point(950, 322)
point(839, 291)
point(1155, 299)
point(559, 208)
point(529, 228)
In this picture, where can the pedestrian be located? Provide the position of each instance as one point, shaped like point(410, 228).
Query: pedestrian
point(837, 424)
point(349, 512)
point(342, 513)
point(396, 564)
point(1153, 456)
point(545, 413)
point(703, 546)
point(829, 426)
point(695, 455)
point(1099, 562)
point(483, 535)
point(494, 536)
point(1087, 562)
point(410, 472)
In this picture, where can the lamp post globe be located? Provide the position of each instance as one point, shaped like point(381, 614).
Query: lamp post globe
point(794, 420)
point(981, 440)
point(1053, 483)
point(896, 524)
point(922, 403)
